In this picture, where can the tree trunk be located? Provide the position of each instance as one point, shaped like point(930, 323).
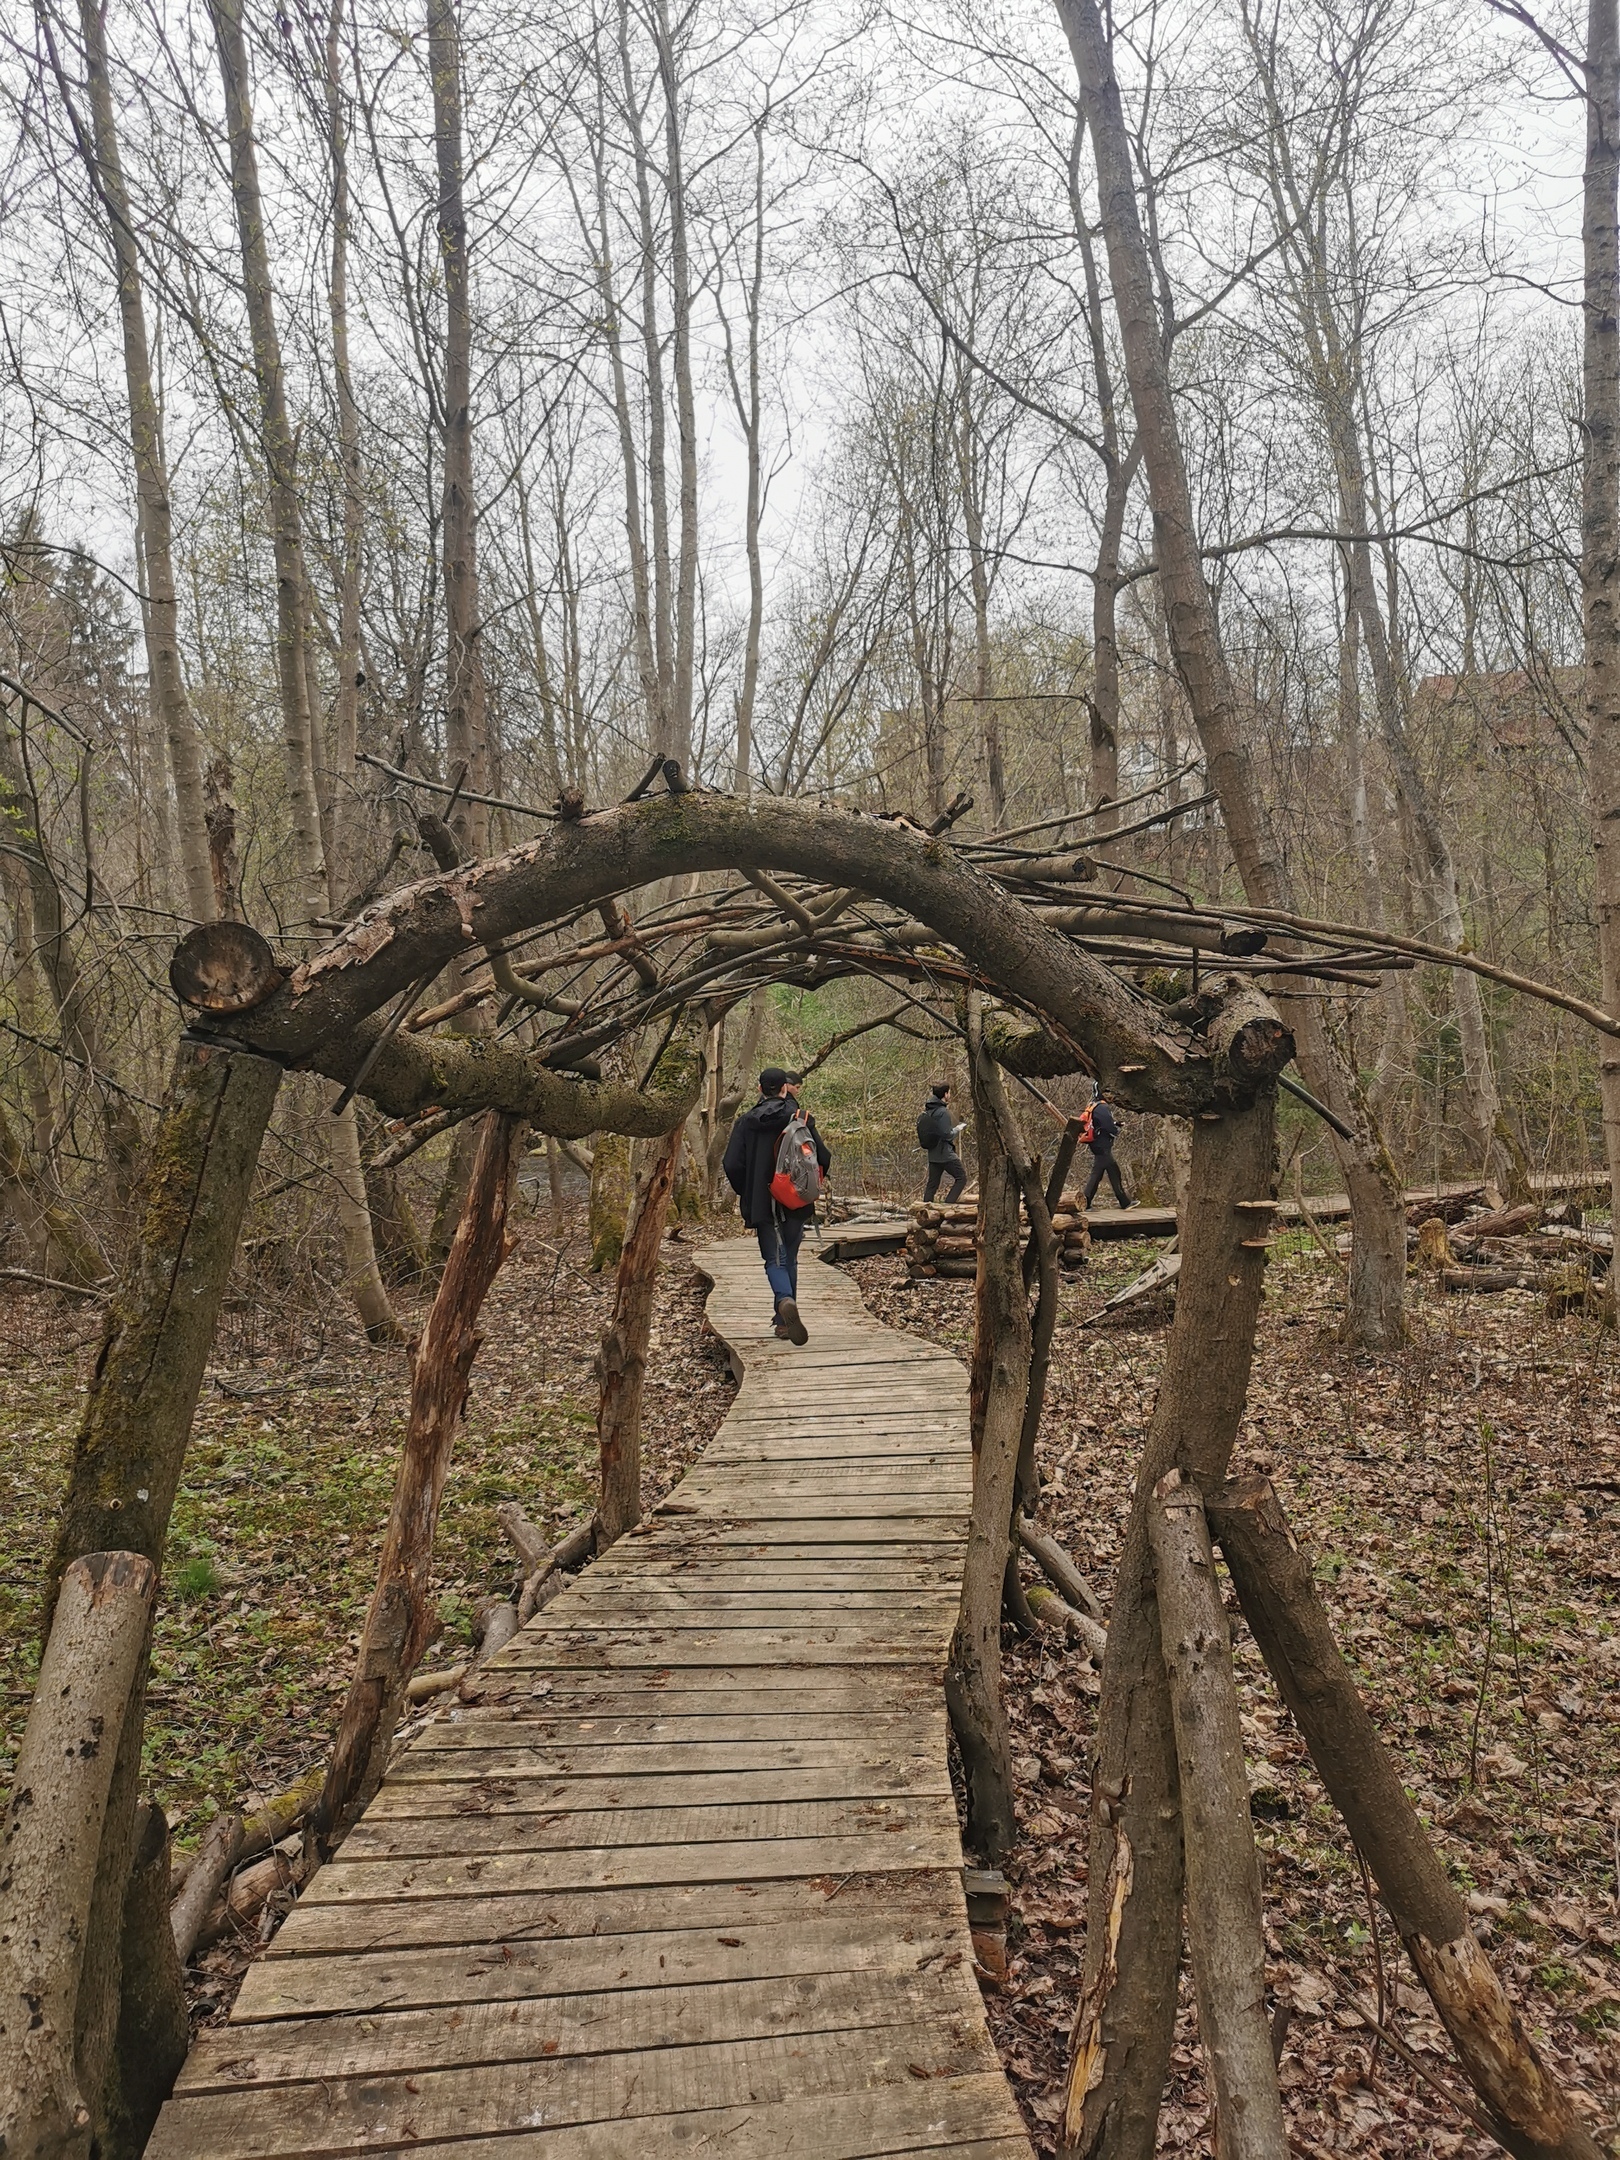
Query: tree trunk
point(132, 1439)
point(998, 1385)
point(466, 705)
point(622, 1359)
point(1195, 642)
point(399, 1621)
point(154, 2030)
point(1126, 2015)
point(679, 741)
point(1600, 524)
point(56, 1826)
point(1224, 1917)
point(608, 1208)
point(1534, 2118)
point(159, 610)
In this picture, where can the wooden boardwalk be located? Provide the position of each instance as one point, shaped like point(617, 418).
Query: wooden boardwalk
point(687, 1879)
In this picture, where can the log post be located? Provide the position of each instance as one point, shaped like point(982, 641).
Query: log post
point(1126, 2014)
point(50, 1855)
point(1224, 1921)
point(1532, 2114)
point(621, 1362)
point(998, 1385)
point(399, 1620)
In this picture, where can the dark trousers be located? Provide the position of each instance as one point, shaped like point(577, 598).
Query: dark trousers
point(779, 1240)
point(1103, 1166)
point(950, 1168)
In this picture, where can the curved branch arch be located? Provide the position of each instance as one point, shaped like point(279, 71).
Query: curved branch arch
point(321, 1016)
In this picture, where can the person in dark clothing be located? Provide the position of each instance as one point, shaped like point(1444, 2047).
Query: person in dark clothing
point(1104, 1132)
point(936, 1136)
point(750, 1164)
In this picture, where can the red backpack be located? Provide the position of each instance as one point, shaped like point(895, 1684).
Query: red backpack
point(797, 1182)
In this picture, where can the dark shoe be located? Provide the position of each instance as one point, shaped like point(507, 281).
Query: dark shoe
point(789, 1324)
point(780, 1332)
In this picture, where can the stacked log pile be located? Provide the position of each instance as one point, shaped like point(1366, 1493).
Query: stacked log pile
point(1529, 1247)
point(943, 1238)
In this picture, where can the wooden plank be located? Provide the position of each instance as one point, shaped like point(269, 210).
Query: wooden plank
point(916, 1741)
point(511, 1793)
point(908, 1900)
point(768, 2100)
point(771, 1731)
point(582, 1868)
point(499, 1970)
point(454, 1830)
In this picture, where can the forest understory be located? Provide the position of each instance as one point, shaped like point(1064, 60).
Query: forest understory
point(1461, 1502)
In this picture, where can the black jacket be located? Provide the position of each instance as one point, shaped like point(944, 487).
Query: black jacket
point(750, 1157)
point(1104, 1128)
point(936, 1131)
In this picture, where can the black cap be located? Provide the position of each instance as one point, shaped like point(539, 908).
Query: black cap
point(773, 1080)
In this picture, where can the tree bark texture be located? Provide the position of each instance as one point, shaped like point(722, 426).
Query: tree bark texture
point(1533, 2115)
point(154, 2030)
point(132, 1440)
point(51, 1852)
point(999, 1381)
point(621, 1361)
point(1600, 522)
point(1143, 1058)
point(159, 609)
point(1224, 1915)
point(399, 1621)
point(466, 717)
point(1200, 660)
point(1126, 2014)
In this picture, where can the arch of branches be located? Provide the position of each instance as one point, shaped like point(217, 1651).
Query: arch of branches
point(538, 942)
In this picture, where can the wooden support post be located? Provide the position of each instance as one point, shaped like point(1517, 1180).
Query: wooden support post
point(998, 1385)
point(1126, 2015)
point(1224, 1922)
point(621, 1362)
point(399, 1620)
point(1533, 2114)
point(50, 1858)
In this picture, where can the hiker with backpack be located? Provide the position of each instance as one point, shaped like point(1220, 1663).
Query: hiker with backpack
point(936, 1136)
point(1099, 1128)
point(776, 1163)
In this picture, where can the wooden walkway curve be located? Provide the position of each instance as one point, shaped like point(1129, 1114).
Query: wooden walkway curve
point(687, 1879)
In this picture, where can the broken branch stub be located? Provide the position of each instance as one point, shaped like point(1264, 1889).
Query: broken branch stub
point(51, 1849)
point(1533, 2114)
point(224, 967)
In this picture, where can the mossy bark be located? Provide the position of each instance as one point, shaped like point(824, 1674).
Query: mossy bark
point(612, 1184)
point(160, 1326)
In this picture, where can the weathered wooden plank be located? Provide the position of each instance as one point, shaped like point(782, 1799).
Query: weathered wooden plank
point(499, 1970)
point(584, 1868)
point(488, 1921)
point(788, 2100)
point(454, 1830)
point(767, 1736)
point(916, 1743)
point(523, 1793)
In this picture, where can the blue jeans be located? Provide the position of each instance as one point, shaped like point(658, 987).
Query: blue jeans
point(779, 1240)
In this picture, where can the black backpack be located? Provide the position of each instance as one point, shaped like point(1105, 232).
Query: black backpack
point(925, 1127)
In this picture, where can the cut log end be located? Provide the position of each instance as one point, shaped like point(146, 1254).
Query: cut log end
point(224, 967)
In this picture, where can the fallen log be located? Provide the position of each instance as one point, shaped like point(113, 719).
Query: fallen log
point(52, 1844)
point(215, 1857)
point(1224, 1918)
point(1484, 1279)
point(1532, 2113)
point(1058, 1568)
point(1504, 1222)
point(266, 1826)
point(1051, 1611)
point(249, 1891)
point(423, 1687)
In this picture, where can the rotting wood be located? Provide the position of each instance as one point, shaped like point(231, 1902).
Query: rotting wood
point(399, 1621)
point(1224, 1918)
point(1534, 2115)
point(52, 1849)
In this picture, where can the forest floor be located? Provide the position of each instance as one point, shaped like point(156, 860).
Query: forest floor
point(1461, 1501)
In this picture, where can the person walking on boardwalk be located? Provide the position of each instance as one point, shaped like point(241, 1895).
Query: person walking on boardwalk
point(936, 1136)
point(1099, 1135)
point(776, 1163)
